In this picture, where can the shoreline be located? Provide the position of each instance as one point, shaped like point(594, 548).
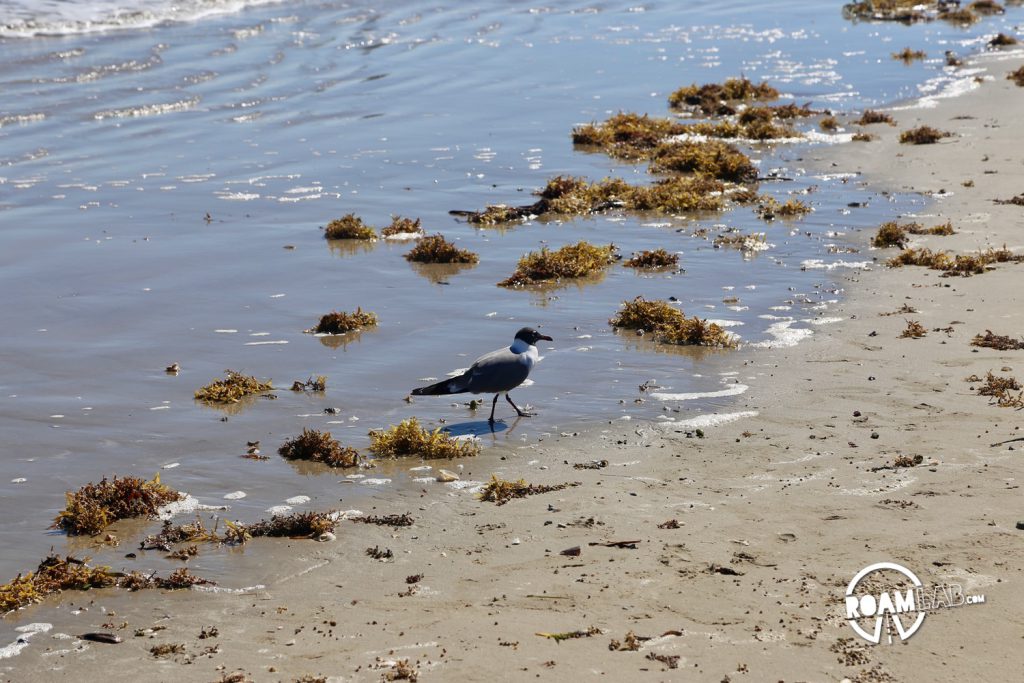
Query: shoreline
point(775, 512)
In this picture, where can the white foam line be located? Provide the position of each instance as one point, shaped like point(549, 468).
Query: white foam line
point(714, 420)
point(26, 631)
point(265, 343)
point(734, 390)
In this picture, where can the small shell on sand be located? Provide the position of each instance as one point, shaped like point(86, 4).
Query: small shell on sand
point(444, 476)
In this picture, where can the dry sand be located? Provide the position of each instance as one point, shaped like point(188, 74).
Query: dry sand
point(786, 503)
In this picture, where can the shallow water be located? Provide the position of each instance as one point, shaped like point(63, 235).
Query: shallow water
point(151, 178)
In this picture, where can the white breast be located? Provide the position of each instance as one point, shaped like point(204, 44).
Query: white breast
point(526, 354)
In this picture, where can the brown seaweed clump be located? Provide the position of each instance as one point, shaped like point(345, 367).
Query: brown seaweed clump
point(769, 208)
point(669, 325)
point(94, 506)
point(56, 574)
point(349, 227)
point(871, 116)
point(829, 124)
point(760, 129)
point(657, 258)
point(500, 491)
point(402, 227)
point(959, 15)
point(890, 234)
point(232, 388)
point(1002, 40)
point(906, 55)
point(627, 135)
point(904, 11)
point(914, 330)
point(943, 229)
point(340, 322)
point(861, 136)
point(408, 438)
point(571, 261)
point(999, 390)
point(923, 135)
point(986, 7)
point(567, 195)
point(711, 158)
point(296, 525)
point(717, 99)
point(1017, 76)
point(317, 446)
point(1019, 199)
point(436, 249)
point(171, 535)
point(963, 265)
point(1000, 342)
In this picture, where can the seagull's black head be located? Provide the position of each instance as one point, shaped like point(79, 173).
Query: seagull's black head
point(531, 336)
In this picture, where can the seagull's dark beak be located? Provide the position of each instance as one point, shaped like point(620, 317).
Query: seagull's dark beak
point(545, 337)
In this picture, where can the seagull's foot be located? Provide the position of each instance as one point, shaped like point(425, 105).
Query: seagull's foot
point(523, 413)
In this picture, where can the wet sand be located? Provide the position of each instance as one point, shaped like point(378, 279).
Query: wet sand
point(776, 511)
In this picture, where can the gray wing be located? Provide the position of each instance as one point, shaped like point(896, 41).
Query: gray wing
point(496, 372)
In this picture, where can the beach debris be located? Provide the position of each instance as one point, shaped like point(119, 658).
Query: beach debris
point(719, 99)
point(670, 661)
point(211, 632)
point(94, 506)
point(628, 136)
point(252, 451)
point(311, 384)
point(590, 465)
point(987, 7)
point(571, 261)
point(999, 390)
point(1002, 40)
point(402, 228)
point(574, 551)
point(317, 446)
point(1017, 76)
point(1017, 200)
point(571, 635)
point(173, 369)
point(652, 258)
point(870, 116)
point(923, 135)
point(769, 208)
point(748, 244)
point(108, 638)
point(340, 322)
point(670, 524)
point(500, 491)
point(861, 136)
point(436, 249)
point(999, 342)
point(393, 521)
point(166, 649)
point(963, 265)
point(669, 325)
point(408, 438)
point(233, 389)
point(724, 570)
point(173, 534)
point(961, 15)
point(401, 670)
point(900, 462)
point(754, 123)
point(628, 545)
point(567, 195)
point(631, 642)
point(904, 309)
point(907, 56)
point(349, 227)
point(376, 553)
point(914, 330)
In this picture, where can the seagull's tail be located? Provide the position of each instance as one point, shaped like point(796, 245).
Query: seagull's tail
point(456, 385)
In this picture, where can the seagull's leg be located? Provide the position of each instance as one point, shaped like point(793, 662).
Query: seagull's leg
point(493, 404)
point(520, 412)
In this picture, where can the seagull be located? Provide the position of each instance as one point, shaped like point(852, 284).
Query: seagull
point(496, 372)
